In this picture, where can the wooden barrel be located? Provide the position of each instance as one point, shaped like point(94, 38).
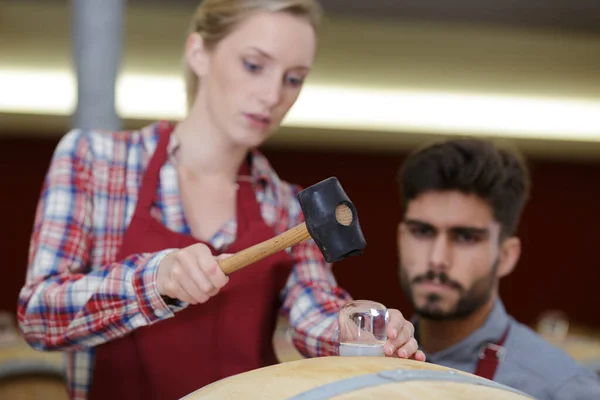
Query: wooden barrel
point(282, 342)
point(345, 378)
point(26, 374)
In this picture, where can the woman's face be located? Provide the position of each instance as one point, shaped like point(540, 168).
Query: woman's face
point(252, 77)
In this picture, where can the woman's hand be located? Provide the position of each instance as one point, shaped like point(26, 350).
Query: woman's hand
point(191, 274)
point(401, 341)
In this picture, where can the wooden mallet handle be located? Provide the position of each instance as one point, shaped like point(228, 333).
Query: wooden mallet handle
point(291, 237)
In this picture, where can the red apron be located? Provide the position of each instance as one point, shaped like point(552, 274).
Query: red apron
point(490, 356)
point(230, 334)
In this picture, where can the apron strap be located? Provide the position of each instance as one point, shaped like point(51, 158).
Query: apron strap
point(150, 180)
point(490, 356)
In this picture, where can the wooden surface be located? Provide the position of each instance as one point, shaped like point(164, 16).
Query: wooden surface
point(295, 377)
point(428, 390)
point(30, 386)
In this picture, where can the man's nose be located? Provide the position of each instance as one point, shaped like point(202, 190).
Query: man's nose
point(439, 259)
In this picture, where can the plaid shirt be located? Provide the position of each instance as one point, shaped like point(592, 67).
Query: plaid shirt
point(76, 294)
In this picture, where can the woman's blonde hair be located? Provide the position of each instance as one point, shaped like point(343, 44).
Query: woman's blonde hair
point(214, 19)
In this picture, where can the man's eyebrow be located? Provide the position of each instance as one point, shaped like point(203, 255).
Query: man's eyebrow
point(459, 228)
point(470, 229)
point(417, 222)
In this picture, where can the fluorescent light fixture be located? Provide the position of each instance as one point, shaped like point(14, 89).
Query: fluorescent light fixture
point(154, 97)
point(151, 97)
point(439, 112)
point(37, 92)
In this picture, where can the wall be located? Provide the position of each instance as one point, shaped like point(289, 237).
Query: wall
point(557, 270)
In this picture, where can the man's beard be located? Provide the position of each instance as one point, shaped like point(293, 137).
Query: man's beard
point(469, 300)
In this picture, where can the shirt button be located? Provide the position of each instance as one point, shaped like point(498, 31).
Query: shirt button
point(159, 313)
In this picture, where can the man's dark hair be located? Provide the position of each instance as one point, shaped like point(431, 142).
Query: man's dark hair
point(472, 166)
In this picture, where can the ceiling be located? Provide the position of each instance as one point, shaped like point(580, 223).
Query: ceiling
point(555, 15)
point(514, 47)
point(569, 15)
point(573, 15)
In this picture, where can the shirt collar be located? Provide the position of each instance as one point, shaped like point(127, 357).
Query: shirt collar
point(260, 168)
point(490, 332)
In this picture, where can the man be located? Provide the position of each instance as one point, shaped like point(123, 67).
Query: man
point(461, 204)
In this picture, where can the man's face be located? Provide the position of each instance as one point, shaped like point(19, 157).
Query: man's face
point(450, 253)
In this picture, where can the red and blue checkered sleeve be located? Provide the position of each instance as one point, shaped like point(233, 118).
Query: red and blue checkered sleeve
point(312, 297)
point(69, 302)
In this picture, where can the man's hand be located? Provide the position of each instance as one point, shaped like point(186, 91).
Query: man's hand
point(191, 274)
point(401, 341)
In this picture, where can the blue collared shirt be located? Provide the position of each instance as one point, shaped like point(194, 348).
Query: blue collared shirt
point(530, 363)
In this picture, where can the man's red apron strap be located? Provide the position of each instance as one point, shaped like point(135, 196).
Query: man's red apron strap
point(490, 356)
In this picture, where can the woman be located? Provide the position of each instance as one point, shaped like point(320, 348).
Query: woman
point(123, 272)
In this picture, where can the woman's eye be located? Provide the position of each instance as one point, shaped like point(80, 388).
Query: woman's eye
point(295, 81)
point(251, 66)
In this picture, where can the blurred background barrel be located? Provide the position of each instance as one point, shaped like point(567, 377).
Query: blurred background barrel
point(579, 341)
point(26, 374)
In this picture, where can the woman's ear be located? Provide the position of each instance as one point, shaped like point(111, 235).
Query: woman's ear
point(196, 54)
point(510, 251)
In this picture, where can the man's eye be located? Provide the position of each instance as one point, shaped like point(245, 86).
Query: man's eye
point(421, 231)
point(466, 237)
